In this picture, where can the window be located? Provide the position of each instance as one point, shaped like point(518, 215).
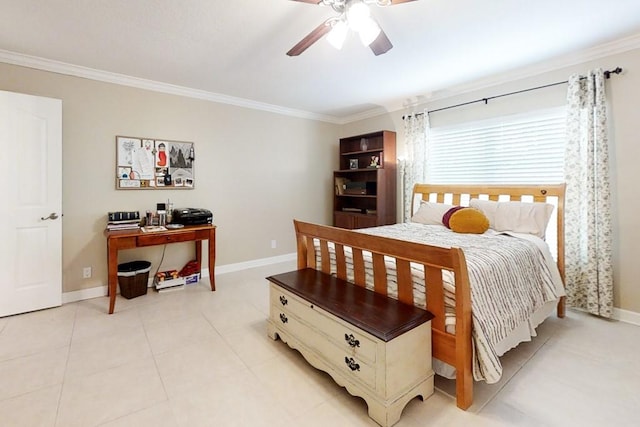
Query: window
point(518, 149)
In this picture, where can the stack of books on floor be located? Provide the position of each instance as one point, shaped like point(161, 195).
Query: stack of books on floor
point(166, 281)
point(123, 220)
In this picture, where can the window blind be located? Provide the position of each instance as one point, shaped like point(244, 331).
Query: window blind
point(518, 149)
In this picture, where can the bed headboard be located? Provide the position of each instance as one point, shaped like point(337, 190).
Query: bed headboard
point(459, 194)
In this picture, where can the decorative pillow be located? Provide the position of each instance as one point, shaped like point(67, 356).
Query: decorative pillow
point(430, 213)
point(466, 220)
point(519, 217)
point(447, 216)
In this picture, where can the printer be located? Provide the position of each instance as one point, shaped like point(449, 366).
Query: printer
point(191, 216)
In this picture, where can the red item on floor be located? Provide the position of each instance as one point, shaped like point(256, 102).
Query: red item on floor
point(190, 268)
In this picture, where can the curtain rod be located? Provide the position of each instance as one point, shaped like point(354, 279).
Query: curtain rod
point(607, 74)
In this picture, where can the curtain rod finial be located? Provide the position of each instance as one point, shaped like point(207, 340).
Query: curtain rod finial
point(617, 70)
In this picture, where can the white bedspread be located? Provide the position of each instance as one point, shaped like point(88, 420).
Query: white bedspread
point(512, 279)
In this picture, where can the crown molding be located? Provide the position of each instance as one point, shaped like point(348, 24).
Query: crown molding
point(597, 52)
point(375, 112)
point(139, 83)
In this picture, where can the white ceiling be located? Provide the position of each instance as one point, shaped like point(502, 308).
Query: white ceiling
point(234, 50)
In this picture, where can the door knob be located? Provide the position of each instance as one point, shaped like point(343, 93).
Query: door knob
point(52, 215)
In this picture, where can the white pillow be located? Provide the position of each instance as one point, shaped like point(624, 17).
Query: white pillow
point(519, 217)
point(430, 213)
point(488, 208)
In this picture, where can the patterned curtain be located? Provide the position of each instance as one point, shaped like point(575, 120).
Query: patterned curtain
point(588, 271)
point(416, 128)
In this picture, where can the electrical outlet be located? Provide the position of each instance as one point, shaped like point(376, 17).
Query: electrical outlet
point(86, 273)
point(274, 244)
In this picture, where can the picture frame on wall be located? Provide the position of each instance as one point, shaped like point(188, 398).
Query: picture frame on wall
point(154, 164)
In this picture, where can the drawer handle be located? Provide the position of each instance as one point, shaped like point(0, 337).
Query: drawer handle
point(283, 318)
point(283, 300)
point(351, 340)
point(351, 364)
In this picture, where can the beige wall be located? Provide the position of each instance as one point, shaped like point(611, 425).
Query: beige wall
point(623, 93)
point(255, 170)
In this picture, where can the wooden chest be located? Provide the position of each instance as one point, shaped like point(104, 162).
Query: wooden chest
point(376, 347)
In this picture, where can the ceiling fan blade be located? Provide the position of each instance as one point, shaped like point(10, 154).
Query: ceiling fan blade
point(310, 39)
point(381, 44)
point(392, 1)
point(312, 1)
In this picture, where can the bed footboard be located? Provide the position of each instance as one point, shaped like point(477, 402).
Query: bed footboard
point(454, 349)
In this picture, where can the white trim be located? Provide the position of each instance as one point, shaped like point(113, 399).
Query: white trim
point(124, 80)
point(101, 291)
point(378, 111)
point(562, 61)
point(626, 316)
point(230, 268)
point(83, 294)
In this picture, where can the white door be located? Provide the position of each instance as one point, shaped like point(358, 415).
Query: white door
point(30, 203)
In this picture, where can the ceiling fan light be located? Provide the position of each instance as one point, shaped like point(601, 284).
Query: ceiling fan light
point(338, 34)
point(357, 14)
point(369, 31)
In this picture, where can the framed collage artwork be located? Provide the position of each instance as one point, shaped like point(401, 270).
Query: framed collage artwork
point(154, 164)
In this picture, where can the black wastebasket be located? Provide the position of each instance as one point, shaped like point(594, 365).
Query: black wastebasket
point(133, 277)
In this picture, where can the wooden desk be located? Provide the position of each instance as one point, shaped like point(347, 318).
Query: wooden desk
point(129, 239)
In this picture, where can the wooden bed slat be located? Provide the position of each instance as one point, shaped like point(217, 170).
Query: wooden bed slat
point(435, 296)
point(325, 262)
point(358, 267)
point(379, 274)
point(311, 253)
point(301, 247)
point(403, 272)
point(341, 264)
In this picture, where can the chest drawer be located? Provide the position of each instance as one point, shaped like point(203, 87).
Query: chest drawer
point(347, 338)
point(342, 359)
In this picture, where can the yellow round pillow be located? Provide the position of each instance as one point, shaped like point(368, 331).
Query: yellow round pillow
point(468, 220)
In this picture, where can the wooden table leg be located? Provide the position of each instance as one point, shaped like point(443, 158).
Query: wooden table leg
point(199, 255)
point(112, 279)
point(212, 258)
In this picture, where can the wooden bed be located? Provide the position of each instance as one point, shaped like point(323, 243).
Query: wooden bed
point(453, 348)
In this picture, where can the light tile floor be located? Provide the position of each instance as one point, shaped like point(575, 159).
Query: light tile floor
point(199, 358)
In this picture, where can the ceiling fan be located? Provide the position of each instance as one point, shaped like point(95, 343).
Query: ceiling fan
point(352, 15)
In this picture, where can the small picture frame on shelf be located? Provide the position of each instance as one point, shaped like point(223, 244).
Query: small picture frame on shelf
point(353, 163)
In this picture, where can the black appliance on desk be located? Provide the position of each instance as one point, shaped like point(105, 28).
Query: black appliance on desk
point(192, 216)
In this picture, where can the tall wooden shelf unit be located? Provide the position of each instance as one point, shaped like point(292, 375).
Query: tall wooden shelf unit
point(365, 196)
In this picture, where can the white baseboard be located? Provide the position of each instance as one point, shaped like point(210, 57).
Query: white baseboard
point(230, 268)
point(626, 316)
point(82, 294)
point(101, 291)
